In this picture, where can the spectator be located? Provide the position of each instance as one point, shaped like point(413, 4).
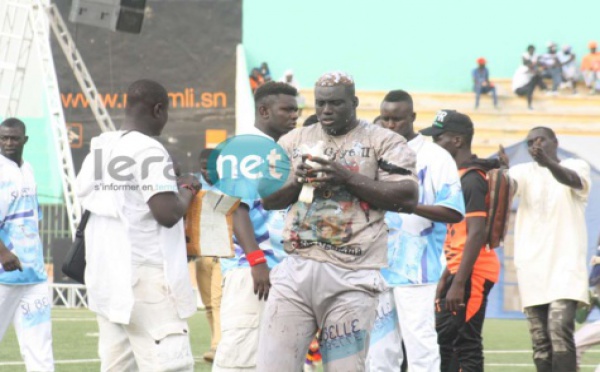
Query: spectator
point(136, 229)
point(568, 61)
point(256, 79)
point(208, 273)
point(265, 72)
point(550, 245)
point(415, 249)
point(288, 78)
point(550, 67)
point(472, 268)
point(529, 58)
point(24, 292)
point(524, 81)
point(258, 246)
point(481, 82)
point(590, 67)
point(337, 243)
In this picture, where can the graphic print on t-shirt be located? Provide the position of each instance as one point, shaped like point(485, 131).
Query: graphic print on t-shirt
point(338, 226)
point(327, 221)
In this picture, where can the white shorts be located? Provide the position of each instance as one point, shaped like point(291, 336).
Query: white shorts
point(27, 307)
point(307, 295)
point(155, 339)
point(241, 312)
point(591, 77)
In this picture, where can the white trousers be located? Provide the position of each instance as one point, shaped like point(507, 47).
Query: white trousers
point(27, 307)
point(592, 79)
point(241, 312)
point(413, 306)
point(155, 339)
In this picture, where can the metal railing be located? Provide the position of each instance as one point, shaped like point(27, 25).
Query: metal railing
point(71, 296)
point(55, 224)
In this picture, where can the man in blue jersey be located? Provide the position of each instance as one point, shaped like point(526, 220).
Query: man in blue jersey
point(258, 238)
point(415, 249)
point(24, 299)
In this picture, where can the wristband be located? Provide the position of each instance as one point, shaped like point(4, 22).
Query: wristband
point(256, 257)
point(189, 187)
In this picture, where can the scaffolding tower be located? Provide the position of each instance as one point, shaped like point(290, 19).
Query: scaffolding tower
point(25, 26)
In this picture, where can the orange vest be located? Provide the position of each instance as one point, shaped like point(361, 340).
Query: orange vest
point(591, 62)
point(487, 264)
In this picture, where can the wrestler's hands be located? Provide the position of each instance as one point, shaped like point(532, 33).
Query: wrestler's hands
point(331, 172)
point(304, 171)
point(262, 284)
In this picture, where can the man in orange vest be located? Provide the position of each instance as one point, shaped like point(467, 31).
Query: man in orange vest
point(590, 68)
point(472, 269)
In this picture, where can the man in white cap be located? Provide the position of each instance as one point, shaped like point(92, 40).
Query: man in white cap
point(568, 61)
point(551, 67)
point(288, 78)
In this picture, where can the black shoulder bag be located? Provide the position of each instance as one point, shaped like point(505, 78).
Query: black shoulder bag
point(74, 264)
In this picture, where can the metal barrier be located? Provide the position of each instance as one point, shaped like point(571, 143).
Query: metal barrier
point(74, 296)
point(70, 296)
point(55, 224)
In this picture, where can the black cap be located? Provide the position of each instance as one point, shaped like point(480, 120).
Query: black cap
point(449, 121)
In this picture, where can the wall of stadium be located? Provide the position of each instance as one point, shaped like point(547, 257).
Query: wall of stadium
point(428, 45)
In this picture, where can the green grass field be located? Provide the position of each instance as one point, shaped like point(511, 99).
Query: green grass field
point(75, 334)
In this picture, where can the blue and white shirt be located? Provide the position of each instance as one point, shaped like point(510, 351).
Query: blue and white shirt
point(19, 218)
point(415, 244)
point(268, 230)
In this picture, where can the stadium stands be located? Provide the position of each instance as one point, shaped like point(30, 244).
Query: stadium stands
point(566, 114)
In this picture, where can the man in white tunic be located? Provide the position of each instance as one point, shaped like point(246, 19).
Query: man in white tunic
point(550, 247)
point(136, 271)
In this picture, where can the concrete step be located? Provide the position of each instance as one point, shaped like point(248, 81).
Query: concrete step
point(482, 117)
point(484, 151)
point(488, 125)
point(565, 113)
point(505, 84)
point(566, 103)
